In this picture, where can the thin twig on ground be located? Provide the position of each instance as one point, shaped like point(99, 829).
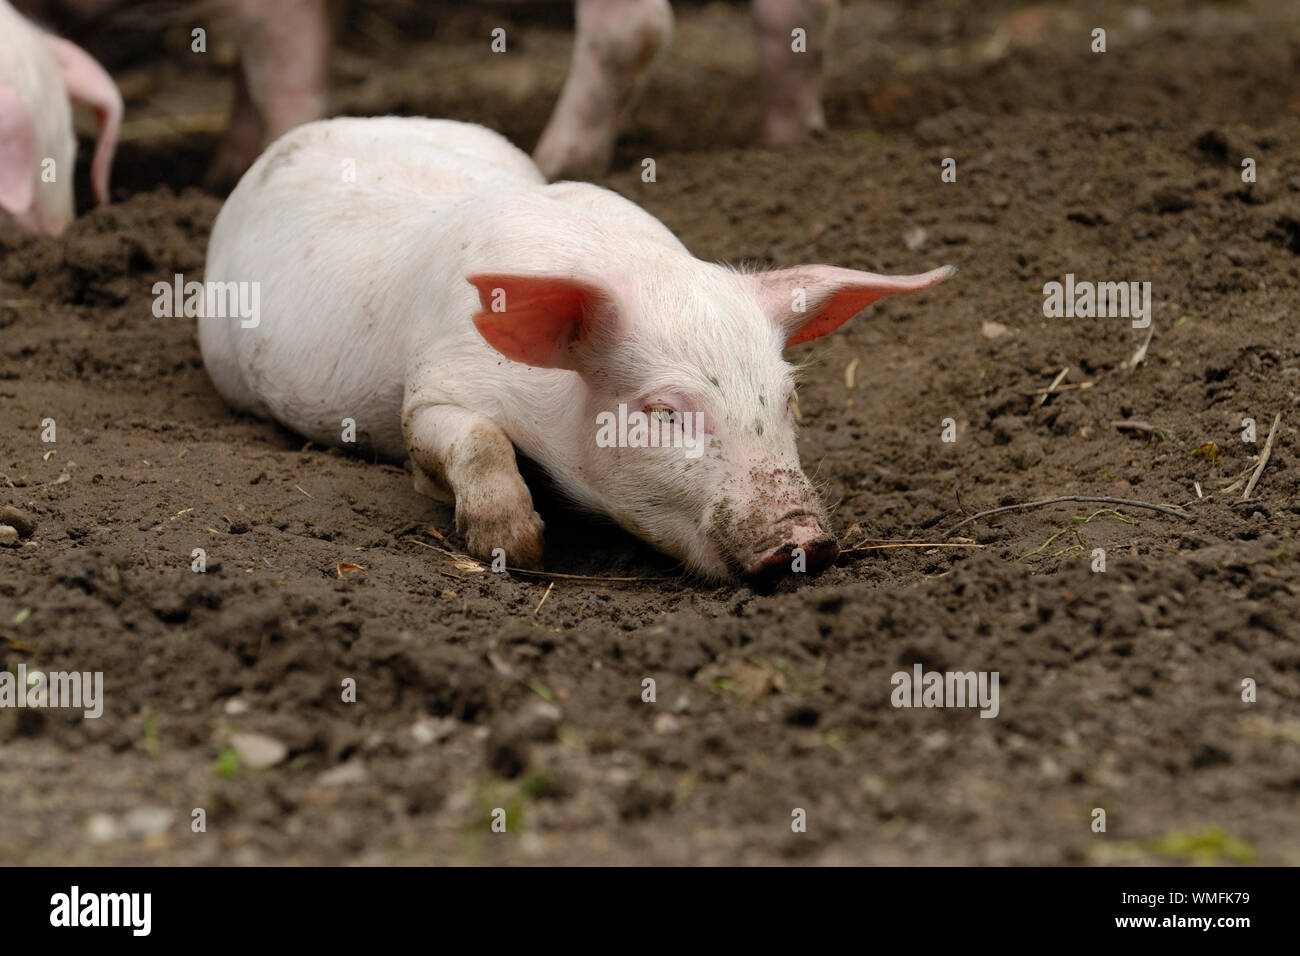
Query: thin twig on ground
point(1133, 425)
point(464, 562)
point(549, 588)
point(1263, 457)
point(1060, 377)
point(597, 578)
point(1026, 505)
point(906, 544)
point(1141, 354)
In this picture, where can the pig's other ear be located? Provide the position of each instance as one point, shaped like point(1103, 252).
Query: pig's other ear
point(536, 320)
point(89, 85)
point(809, 301)
point(17, 153)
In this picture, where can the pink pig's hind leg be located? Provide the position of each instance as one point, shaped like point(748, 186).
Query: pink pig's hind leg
point(792, 79)
point(457, 451)
point(284, 54)
point(616, 44)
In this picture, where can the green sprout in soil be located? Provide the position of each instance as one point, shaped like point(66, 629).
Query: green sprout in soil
point(1206, 846)
point(1081, 546)
point(228, 764)
point(491, 795)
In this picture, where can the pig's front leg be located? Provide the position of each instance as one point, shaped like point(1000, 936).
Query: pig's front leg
point(467, 455)
point(791, 79)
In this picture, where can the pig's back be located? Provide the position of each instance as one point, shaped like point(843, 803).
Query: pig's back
point(438, 159)
point(336, 223)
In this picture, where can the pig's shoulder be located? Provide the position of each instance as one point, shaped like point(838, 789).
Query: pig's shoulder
point(440, 159)
point(406, 141)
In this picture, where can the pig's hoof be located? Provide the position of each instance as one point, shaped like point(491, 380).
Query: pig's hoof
point(559, 159)
point(519, 542)
point(781, 128)
point(494, 525)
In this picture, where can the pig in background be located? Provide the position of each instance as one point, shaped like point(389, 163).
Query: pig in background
point(616, 47)
point(283, 76)
point(283, 51)
point(39, 74)
point(283, 54)
point(456, 308)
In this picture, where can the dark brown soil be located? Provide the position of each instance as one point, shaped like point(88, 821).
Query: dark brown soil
point(1120, 690)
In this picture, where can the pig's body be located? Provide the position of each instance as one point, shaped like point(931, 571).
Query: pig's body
point(38, 74)
point(584, 303)
point(359, 317)
point(30, 82)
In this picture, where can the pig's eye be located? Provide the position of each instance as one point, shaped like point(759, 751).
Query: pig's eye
point(669, 416)
point(792, 405)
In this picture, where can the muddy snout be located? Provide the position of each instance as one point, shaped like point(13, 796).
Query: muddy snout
point(799, 545)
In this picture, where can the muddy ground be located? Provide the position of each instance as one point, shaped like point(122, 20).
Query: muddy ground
point(1120, 690)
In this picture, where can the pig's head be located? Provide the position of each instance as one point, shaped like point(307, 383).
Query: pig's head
point(680, 424)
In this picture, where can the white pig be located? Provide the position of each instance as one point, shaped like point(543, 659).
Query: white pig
point(420, 278)
point(283, 54)
point(38, 74)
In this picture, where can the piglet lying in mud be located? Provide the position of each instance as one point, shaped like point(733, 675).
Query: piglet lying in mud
point(38, 74)
point(420, 278)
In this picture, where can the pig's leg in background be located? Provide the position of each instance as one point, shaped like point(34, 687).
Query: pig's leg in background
point(792, 81)
point(283, 53)
point(616, 44)
point(457, 450)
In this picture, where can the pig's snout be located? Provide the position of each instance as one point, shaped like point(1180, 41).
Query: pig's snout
point(818, 550)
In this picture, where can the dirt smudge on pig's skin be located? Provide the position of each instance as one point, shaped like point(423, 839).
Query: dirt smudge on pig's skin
point(1119, 688)
point(751, 516)
point(281, 155)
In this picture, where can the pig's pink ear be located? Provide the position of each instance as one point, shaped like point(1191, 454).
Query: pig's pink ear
point(89, 85)
point(17, 153)
point(535, 320)
point(809, 301)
